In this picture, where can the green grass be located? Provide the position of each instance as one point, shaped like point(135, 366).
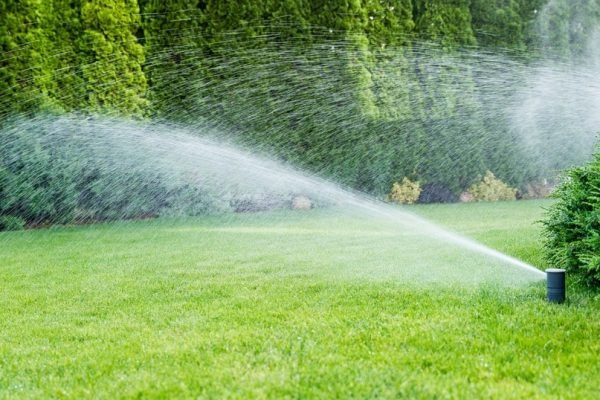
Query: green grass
point(298, 305)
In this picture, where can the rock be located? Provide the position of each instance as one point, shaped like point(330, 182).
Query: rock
point(258, 202)
point(466, 197)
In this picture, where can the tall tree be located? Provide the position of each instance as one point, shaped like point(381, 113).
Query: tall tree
point(26, 79)
point(498, 23)
point(447, 22)
point(64, 31)
point(530, 12)
point(453, 135)
point(175, 43)
point(111, 57)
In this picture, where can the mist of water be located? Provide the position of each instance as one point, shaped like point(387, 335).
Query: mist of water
point(215, 157)
point(173, 157)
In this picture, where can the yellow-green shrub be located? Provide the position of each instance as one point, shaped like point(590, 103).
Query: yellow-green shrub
point(491, 188)
point(405, 192)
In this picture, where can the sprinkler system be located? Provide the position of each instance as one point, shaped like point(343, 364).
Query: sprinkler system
point(556, 285)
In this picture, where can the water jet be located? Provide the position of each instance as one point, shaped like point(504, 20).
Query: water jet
point(135, 168)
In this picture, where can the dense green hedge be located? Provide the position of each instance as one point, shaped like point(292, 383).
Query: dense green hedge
point(83, 54)
point(572, 225)
point(65, 55)
point(340, 87)
point(68, 170)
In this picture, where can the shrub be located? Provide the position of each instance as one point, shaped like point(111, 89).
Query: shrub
point(536, 190)
point(436, 192)
point(491, 188)
point(572, 224)
point(405, 192)
point(11, 223)
point(64, 171)
point(35, 184)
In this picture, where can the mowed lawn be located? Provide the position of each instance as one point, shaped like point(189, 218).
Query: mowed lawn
point(304, 304)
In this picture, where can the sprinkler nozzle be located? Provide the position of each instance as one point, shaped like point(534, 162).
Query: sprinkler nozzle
point(555, 278)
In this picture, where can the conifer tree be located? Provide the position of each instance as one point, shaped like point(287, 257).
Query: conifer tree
point(553, 27)
point(584, 27)
point(453, 134)
point(497, 23)
point(174, 41)
point(111, 58)
point(64, 31)
point(292, 20)
point(26, 79)
point(530, 11)
point(447, 22)
point(389, 29)
point(567, 28)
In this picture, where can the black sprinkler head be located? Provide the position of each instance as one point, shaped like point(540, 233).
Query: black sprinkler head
point(556, 285)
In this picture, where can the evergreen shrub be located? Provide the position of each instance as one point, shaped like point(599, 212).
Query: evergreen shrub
point(491, 188)
point(572, 224)
point(50, 178)
point(11, 223)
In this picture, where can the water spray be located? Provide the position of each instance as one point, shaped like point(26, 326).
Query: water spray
point(556, 285)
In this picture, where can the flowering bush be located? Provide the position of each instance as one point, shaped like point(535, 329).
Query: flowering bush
point(491, 188)
point(405, 192)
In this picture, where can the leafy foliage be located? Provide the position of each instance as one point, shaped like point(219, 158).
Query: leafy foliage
point(65, 178)
point(26, 82)
point(111, 53)
point(10, 223)
point(405, 192)
point(491, 188)
point(448, 22)
point(567, 26)
point(373, 111)
point(499, 23)
point(572, 224)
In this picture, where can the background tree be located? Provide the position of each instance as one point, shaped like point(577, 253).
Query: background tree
point(175, 43)
point(26, 73)
point(498, 23)
point(447, 22)
point(111, 57)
